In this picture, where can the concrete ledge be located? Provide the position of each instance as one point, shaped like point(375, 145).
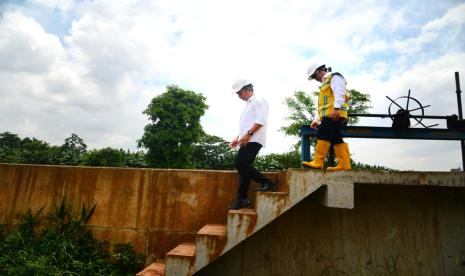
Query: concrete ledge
point(443, 179)
point(338, 195)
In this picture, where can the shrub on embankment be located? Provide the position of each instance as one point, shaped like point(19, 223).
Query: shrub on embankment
point(61, 244)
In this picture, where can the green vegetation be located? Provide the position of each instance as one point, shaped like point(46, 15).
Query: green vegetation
point(63, 246)
point(106, 157)
point(174, 138)
point(278, 161)
point(73, 152)
point(175, 126)
point(213, 152)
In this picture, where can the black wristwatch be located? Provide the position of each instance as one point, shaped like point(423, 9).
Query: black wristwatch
point(250, 132)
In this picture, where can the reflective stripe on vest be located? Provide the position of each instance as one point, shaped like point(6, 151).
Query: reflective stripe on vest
point(326, 100)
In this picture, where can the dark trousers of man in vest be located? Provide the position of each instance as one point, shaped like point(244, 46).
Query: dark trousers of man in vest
point(330, 131)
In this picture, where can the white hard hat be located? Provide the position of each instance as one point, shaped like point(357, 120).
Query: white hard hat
point(239, 84)
point(312, 69)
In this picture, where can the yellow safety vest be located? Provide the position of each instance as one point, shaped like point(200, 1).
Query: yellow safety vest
point(326, 100)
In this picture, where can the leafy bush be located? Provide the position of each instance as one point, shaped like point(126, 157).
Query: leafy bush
point(65, 247)
point(106, 157)
point(213, 153)
point(278, 161)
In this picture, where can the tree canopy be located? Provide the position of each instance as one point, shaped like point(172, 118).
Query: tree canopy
point(72, 151)
point(214, 153)
point(174, 128)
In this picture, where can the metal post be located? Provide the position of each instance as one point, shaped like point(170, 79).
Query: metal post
point(304, 148)
point(331, 157)
point(459, 103)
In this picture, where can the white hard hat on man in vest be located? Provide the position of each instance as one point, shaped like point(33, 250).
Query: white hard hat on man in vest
point(312, 69)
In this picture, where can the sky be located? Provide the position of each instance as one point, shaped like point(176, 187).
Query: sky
point(92, 67)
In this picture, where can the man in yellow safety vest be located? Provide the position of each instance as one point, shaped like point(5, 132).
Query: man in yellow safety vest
point(332, 116)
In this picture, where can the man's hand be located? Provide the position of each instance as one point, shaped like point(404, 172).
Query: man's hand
point(335, 115)
point(234, 143)
point(244, 140)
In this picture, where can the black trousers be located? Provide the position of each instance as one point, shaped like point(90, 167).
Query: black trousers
point(244, 165)
point(330, 131)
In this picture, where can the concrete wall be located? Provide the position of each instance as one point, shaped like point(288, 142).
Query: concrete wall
point(398, 227)
point(392, 230)
point(153, 209)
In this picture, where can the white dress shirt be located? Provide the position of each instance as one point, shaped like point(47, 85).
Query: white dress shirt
point(255, 111)
point(338, 86)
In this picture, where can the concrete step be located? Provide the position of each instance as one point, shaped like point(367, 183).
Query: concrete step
point(241, 224)
point(210, 242)
point(269, 206)
point(181, 260)
point(155, 269)
point(213, 240)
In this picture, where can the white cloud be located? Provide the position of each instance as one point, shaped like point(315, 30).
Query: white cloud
point(118, 55)
point(453, 16)
point(62, 5)
point(398, 20)
point(25, 47)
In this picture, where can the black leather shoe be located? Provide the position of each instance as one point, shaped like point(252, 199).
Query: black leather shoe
point(240, 203)
point(267, 186)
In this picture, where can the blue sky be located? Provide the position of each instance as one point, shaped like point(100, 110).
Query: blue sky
point(92, 67)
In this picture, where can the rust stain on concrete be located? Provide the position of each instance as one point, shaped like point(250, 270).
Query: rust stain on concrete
point(252, 222)
point(180, 256)
point(183, 250)
point(155, 269)
point(157, 207)
point(215, 238)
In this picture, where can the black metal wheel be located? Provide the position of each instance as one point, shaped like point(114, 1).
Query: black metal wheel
point(409, 105)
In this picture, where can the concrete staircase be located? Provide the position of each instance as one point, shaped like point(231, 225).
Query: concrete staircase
point(214, 240)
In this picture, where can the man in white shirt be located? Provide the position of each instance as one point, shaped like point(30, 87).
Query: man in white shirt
point(332, 110)
point(251, 138)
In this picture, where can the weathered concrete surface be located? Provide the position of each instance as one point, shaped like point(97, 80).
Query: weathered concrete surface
point(180, 261)
point(446, 179)
point(155, 269)
point(268, 206)
point(157, 210)
point(398, 230)
point(338, 191)
point(153, 209)
point(210, 241)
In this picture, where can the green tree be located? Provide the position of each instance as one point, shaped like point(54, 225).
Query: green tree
point(358, 103)
point(174, 128)
point(302, 112)
point(106, 157)
point(71, 152)
point(34, 151)
point(213, 152)
point(10, 145)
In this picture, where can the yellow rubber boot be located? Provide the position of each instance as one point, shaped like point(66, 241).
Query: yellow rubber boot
point(321, 150)
point(343, 158)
